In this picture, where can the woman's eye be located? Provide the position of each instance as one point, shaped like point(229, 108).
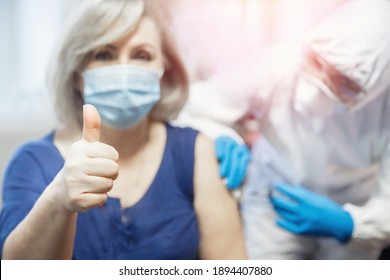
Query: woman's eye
point(143, 55)
point(103, 56)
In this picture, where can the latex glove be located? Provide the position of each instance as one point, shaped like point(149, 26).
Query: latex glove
point(90, 168)
point(305, 212)
point(233, 161)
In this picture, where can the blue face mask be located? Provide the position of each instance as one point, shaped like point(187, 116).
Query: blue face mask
point(122, 94)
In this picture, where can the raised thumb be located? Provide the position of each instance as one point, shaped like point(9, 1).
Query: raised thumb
point(92, 123)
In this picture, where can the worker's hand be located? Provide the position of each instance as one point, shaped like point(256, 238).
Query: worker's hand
point(90, 169)
point(233, 161)
point(307, 213)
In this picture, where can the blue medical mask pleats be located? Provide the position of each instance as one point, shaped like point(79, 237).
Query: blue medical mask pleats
point(122, 94)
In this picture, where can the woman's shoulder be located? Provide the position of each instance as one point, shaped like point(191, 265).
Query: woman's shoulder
point(37, 146)
point(35, 151)
point(181, 130)
point(181, 136)
point(190, 136)
point(35, 161)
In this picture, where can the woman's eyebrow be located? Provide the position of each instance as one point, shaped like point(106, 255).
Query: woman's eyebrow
point(110, 46)
point(144, 44)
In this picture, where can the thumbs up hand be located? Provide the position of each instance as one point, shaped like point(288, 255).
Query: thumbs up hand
point(90, 169)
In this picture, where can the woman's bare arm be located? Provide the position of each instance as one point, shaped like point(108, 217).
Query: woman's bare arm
point(47, 232)
point(217, 211)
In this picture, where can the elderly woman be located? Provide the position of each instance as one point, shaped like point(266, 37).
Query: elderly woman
point(133, 187)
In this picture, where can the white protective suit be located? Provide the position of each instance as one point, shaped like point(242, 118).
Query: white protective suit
point(343, 156)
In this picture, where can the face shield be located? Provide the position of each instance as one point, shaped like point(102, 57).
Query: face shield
point(343, 89)
point(349, 52)
point(322, 90)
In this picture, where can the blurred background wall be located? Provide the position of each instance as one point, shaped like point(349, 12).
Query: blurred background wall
point(214, 34)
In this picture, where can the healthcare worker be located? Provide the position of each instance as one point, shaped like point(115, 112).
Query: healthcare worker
point(318, 185)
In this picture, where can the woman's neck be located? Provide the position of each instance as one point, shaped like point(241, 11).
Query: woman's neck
point(127, 142)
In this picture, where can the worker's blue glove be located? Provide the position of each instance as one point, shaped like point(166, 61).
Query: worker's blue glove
point(233, 161)
point(307, 213)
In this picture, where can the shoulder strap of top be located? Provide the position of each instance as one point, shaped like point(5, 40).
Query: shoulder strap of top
point(181, 141)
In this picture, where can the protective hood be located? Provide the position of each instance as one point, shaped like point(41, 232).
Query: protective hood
point(355, 39)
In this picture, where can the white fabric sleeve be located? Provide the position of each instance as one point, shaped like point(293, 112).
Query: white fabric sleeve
point(212, 115)
point(210, 101)
point(372, 221)
point(208, 127)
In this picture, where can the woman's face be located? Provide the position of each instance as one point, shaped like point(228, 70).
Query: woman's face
point(125, 95)
point(141, 48)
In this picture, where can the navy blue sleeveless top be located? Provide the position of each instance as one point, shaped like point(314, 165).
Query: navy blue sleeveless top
point(161, 225)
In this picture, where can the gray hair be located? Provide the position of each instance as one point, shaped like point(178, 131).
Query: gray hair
point(88, 30)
